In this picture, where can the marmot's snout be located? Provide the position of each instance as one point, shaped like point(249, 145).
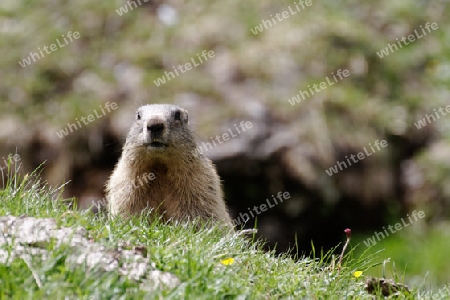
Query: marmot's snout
point(154, 132)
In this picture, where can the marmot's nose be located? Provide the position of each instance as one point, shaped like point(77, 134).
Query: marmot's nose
point(155, 128)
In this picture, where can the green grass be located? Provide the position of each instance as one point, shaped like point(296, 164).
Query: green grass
point(192, 254)
point(421, 252)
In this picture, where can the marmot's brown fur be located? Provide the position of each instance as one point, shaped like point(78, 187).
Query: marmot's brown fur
point(183, 183)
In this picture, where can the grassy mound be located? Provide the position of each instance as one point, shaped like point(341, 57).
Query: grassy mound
point(209, 262)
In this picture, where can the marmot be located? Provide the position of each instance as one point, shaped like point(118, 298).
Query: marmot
point(185, 184)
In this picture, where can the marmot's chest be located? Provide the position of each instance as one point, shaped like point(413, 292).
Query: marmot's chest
point(158, 191)
point(165, 199)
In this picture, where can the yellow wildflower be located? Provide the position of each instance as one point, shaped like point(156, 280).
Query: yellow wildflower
point(357, 273)
point(227, 261)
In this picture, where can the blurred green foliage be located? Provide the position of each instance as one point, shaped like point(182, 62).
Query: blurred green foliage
point(117, 58)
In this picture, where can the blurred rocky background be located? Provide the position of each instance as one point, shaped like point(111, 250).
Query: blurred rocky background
point(118, 58)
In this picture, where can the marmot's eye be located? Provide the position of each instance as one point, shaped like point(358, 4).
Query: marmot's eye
point(138, 115)
point(177, 115)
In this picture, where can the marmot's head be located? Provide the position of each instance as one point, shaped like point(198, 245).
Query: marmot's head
point(161, 128)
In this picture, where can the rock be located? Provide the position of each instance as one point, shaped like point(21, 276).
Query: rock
point(29, 237)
